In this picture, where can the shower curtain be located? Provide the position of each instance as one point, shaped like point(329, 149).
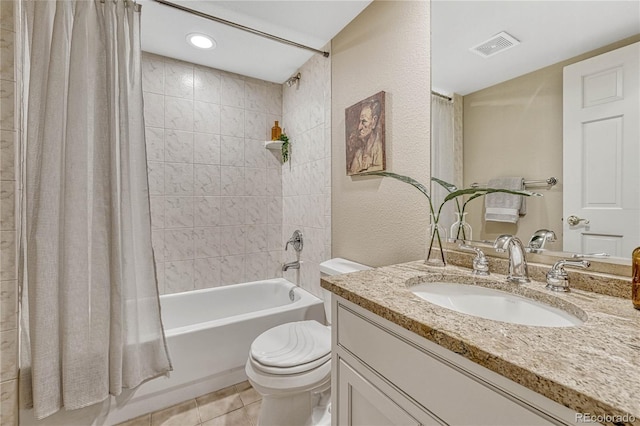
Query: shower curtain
point(89, 306)
point(443, 156)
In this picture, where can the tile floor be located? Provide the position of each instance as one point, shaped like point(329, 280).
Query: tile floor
point(236, 405)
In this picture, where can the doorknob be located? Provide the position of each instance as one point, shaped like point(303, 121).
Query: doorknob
point(574, 220)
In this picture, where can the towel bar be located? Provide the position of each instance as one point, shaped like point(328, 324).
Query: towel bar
point(546, 182)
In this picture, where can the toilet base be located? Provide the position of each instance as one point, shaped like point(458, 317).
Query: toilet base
point(297, 409)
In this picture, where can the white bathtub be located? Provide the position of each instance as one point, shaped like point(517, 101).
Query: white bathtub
point(209, 333)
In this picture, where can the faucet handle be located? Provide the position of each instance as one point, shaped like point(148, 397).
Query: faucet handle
point(296, 241)
point(480, 263)
point(557, 277)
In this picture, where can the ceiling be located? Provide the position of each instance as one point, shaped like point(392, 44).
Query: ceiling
point(312, 23)
point(549, 32)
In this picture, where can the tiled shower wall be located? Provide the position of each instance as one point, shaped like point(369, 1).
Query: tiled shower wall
point(8, 282)
point(306, 179)
point(216, 192)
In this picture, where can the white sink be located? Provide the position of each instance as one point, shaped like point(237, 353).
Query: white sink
point(494, 304)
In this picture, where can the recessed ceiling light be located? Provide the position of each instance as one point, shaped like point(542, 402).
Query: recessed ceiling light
point(201, 41)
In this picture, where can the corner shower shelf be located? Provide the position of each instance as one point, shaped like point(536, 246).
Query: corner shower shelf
point(274, 145)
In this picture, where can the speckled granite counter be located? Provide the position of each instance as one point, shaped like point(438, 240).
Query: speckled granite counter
point(592, 368)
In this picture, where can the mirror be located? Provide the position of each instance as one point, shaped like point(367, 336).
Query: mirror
point(506, 114)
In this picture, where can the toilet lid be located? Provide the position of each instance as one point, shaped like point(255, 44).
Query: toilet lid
point(292, 344)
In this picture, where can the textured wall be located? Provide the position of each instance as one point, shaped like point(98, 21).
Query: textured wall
point(306, 179)
point(216, 195)
point(382, 221)
point(8, 283)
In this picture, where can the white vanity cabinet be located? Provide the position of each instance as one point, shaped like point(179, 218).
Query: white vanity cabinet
point(386, 375)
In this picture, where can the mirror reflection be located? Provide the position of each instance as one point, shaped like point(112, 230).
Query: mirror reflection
point(503, 114)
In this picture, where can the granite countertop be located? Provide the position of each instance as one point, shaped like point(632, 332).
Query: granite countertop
point(591, 368)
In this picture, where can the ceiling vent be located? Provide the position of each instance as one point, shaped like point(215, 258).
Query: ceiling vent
point(496, 44)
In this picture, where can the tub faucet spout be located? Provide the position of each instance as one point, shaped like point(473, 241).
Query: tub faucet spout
point(291, 265)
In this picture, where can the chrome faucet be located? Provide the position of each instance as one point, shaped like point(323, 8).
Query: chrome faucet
point(557, 277)
point(291, 265)
point(541, 236)
point(518, 271)
point(297, 242)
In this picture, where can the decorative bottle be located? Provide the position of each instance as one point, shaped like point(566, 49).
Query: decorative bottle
point(275, 132)
point(461, 230)
point(635, 278)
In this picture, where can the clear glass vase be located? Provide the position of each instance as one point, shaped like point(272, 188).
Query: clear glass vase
point(461, 230)
point(437, 234)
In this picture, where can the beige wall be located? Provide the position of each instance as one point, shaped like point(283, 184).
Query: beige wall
point(383, 221)
point(515, 129)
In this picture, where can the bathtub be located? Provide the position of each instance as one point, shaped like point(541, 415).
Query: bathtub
point(209, 333)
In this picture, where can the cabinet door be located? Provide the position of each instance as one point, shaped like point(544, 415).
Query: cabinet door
point(361, 403)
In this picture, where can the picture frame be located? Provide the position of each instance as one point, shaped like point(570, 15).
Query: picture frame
point(365, 135)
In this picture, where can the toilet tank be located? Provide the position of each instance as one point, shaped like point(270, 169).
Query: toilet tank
point(337, 266)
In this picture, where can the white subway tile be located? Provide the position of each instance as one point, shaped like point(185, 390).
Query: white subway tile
point(207, 179)
point(178, 113)
point(153, 109)
point(206, 149)
point(232, 269)
point(232, 210)
point(207, 272)
point(232, 121)
point(232, 91)
point(207, 211)
point(206, 84)
point(178, 212)
point(207, 242)
point(232, 240)
point(178, 179)
point(206, 118)
point(178, 244)
point(178, 276)
point(232, 180)
point(232, 151)
point(152, 73)
point(178, 146)
point(155, 143)
point(178, 79)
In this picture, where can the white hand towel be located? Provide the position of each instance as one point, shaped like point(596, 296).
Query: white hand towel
point(503, 207)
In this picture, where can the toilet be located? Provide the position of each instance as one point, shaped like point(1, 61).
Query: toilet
point(290, 365)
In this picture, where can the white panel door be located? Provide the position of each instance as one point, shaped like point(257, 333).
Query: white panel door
point(601, 153)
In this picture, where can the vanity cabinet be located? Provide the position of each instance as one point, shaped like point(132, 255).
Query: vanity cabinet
point(384, 374)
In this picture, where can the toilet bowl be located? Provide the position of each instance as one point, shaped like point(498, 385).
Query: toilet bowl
point(290, 365)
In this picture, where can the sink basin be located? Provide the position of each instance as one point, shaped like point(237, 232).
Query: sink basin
point(494, 304)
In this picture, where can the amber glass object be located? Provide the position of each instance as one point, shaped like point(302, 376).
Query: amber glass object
point(275, 132)
point(635, 278)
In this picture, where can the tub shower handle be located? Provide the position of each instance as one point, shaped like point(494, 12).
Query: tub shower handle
point(295, 241)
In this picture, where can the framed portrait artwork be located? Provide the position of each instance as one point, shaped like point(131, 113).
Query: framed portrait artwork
point(365, 135)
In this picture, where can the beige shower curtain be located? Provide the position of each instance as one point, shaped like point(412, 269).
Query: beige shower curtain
point(90, 307)
point(443, 156)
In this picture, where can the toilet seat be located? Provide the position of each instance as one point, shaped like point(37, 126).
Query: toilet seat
point(290, 358)
point(291, 348)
